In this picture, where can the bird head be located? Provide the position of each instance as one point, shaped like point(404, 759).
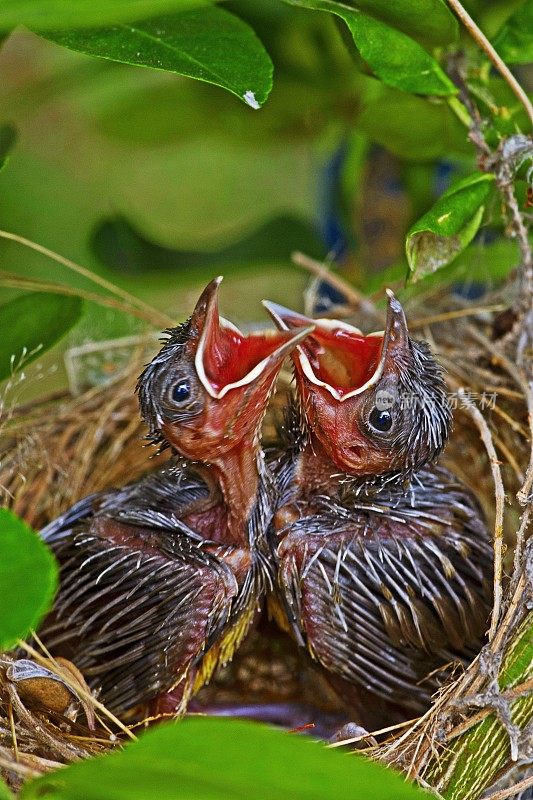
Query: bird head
point(376, 403)
point(207, 389)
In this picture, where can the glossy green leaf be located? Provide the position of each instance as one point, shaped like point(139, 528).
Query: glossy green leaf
point(429, 22)
point(28, 577)
point(393, 56)
point(43, 14)
point(217, 759)
point(514, 40)
point(208, 44)
point(483, 264)
point(121, 247)
point(448, 227)
point(31, 324)
point(8, 138)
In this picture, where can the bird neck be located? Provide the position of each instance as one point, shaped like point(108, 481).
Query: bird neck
point(237, 475)
point(316, 472)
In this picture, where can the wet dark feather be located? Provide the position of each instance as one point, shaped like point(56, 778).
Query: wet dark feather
point(134, 618)
point(385, 589)
point(133, 621)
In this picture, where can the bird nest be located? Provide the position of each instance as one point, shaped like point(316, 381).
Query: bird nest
point(57, 450)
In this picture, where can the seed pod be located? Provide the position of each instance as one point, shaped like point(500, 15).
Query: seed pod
point(39, 685)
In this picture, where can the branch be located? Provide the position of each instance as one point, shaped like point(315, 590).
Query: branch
point(485, 434)
point(478, 35)
point(157, 317)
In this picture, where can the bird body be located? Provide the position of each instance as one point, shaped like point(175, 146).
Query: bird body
point(145, 596)
point(383, 558)
point(384, 588)
point(376, 559)
point(161, 580)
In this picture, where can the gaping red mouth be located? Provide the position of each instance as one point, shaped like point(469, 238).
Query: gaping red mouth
point(229, 356)
point(342, 358)
point(337, 357)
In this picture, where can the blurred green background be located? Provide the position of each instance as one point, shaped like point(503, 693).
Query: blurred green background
point(158, 182)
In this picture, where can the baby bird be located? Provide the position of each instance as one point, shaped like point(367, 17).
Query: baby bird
point(160, 580)
point(384, 561)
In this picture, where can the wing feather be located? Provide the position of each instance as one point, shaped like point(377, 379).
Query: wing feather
point(134, 621)
point(384, 590)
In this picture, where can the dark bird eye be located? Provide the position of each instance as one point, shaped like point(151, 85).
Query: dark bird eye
point(381, 420)
point(181, 391)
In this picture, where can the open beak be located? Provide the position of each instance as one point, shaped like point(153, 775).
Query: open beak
point(338, 357)
point(227, 359)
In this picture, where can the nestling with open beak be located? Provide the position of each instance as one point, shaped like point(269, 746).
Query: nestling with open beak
point(161, 580)
point(384, 560)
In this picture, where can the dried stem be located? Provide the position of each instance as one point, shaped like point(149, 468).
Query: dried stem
point(157, 317)
point(19, 769)
point(53, 666)
point(64, 749)
point(478, 35)
point(31, 284)
point(457, 313)
point(354, 298)
point(520, 540)
point(511, 791)
point(13, 732)
point(486, 437)
point(379, 732)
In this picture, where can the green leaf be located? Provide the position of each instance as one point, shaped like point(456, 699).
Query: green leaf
point(514, 40)
point(121, 247)
point(31, 324)
point(521, 662)
point(44, 14)
point(394, 56)
point(448, 227)
point(28, 577)
point(471, 762)
point(208, 44)
point(8, 138)
point(485, 264)
point(429, 22)
point(216, 759)
point(5, 794)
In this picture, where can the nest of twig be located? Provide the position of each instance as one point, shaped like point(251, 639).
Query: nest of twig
point(58, 450)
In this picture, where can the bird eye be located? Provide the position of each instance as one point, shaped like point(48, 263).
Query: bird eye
point(181, 391)
point(381, 420)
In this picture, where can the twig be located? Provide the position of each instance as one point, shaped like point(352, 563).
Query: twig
point(91, 276)
point(355, 739)
point(31, 761)
point(478, 35)
point(31, 284)
point(507, 158)
point(13, 733)
point(509, 695)
point(510, 791)
point(511, 460)
point(520, 540)
point(67, 751)
point(486, 437)
point(50, 663)
point(20, 769)
point(514, 605)
point(354, 298)
point(456, 314)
